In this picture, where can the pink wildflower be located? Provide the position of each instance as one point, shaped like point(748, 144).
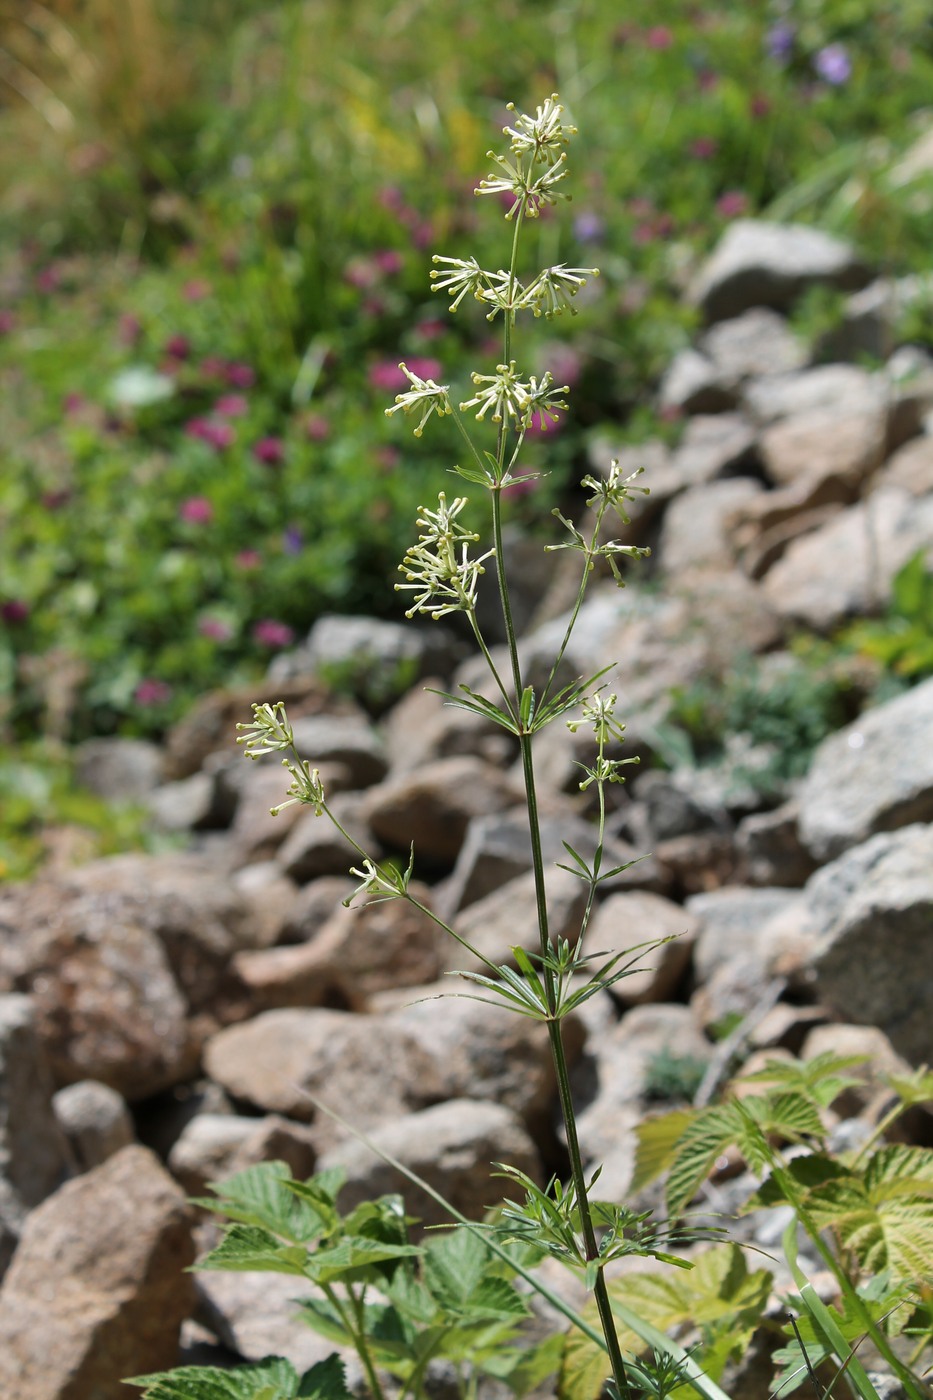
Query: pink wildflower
point(178, 347)
point(703, 148)
point(197, 510)
point(249, 560)
point(215, 629)
point(152, 692)
point(389, 261)
point(731, 204)
point(196, 290)
point(659, 37)
point(240, 376)
point(270, 451)
point(14, 610)
point(268, 632)
point(232, 406)
point(7, 321)
point(317, 428)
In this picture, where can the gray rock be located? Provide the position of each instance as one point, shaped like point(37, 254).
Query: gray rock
point(189, 804)
point(873, 961)
point(874, 775)
point(34, 1154)
point(692, 384)
point(452, 1146)
point(910, 468)
point(846, 566)
point(625, 920)
point(483, 1050)
point(732, 924)
point(755, 343)
point(775, 396)
point(335, 739)
point(843, 443)
point(508, 918)
point(434, 806)
point(365, 1069)
point(770, 848)
point(375, 660)
point(695, 530)
point(714, 445)
point(257, 1315)
point(422, 728)
point(120, 770)
point(765, 264)
point(97, 1289)
point(213, 1146)
point(95, 1120)
point(315, 847)
point(313, 905)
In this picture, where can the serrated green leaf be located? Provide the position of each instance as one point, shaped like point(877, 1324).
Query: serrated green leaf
point(454, 1265)
point(704, 1139)
point(352, 1259)
point(326, 1380)
point(495, 1298)
point(248, 1248)
point(914, 1088)
point(262, 1195)
point(658, 1139)
point(885, 1216)
point(271, 1379)
point(320, 1314)
point(819, 1079)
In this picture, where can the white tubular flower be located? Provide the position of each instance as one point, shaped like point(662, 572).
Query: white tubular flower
point(530, 191)
point(424, 397)
point(614, 489)
point(459, 279)
point(270, 731)
point(599, 712)
point(502, 293)
point(541, 135)
point(438, 568)
point(541, 400)
point(504, 393)
point(553, 291)
point(306, 787)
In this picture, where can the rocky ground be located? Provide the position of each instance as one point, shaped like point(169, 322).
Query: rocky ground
point(165, 1018)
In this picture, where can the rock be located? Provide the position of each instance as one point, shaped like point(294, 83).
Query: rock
point(360, 1066)
point(95, 1120)
point(770, 848)
point(34, 1154)
point(452, 1146)
point(355, 745)
point(692, 384)
point(434, 806)
point(190, 804)
point(257, 1315)
point(508, 918)
point(878, 1056)
point(313, 905)
point(874, 775)
point(614, 1079)
point(756, 343)
point(766, 264)
point(357, 953)
point(107, 1004)
point(846, 566)
point(694, 533)
point(355, 649)
point(712, 446)
point(315, 847)
point(96, 1291)
point(483, 1050)
point(271, 899)
point(213, 1146)
point(422, 727)
point(731, 924)
point(622, 922)
point(841, 443)
point(120, 770)
point(257, 834)
point(873, 960)
point(776, 396)
point(910, 468)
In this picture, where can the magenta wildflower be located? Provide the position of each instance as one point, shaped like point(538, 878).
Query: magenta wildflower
point(47, 281)
point(659, 37)
point(129, 329)
point(431, 328)
point(178, 347)
point(240, 376)
point(703, 148)
point(215, 629)
point(197, 510)
point(14, 610)
point(213, 367)
point(389, 261)
point(248, 560)
point(152, 692)
point(317, 428)
point(268, 632)
point(7, 320)
point(270, 451)
point(386, 376)
point(73, 403)
point(196, 290)
point(231, 406)
point(731, 204)
point(216, 434)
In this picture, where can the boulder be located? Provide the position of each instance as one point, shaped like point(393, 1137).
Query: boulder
point(757, 342)
point(452, 1146)
point(626, 920)
point(97, 1289)
point(872, 909)
point(434, 806)
point(213, 1146)
point(315, 847)
point(766, 264)
point(692, 384)
point(874, 775)
point(95, 1120)
point(508, 918)
point(364, 1068)
point(120, 770)
point(695, 532)
point(774, 396)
